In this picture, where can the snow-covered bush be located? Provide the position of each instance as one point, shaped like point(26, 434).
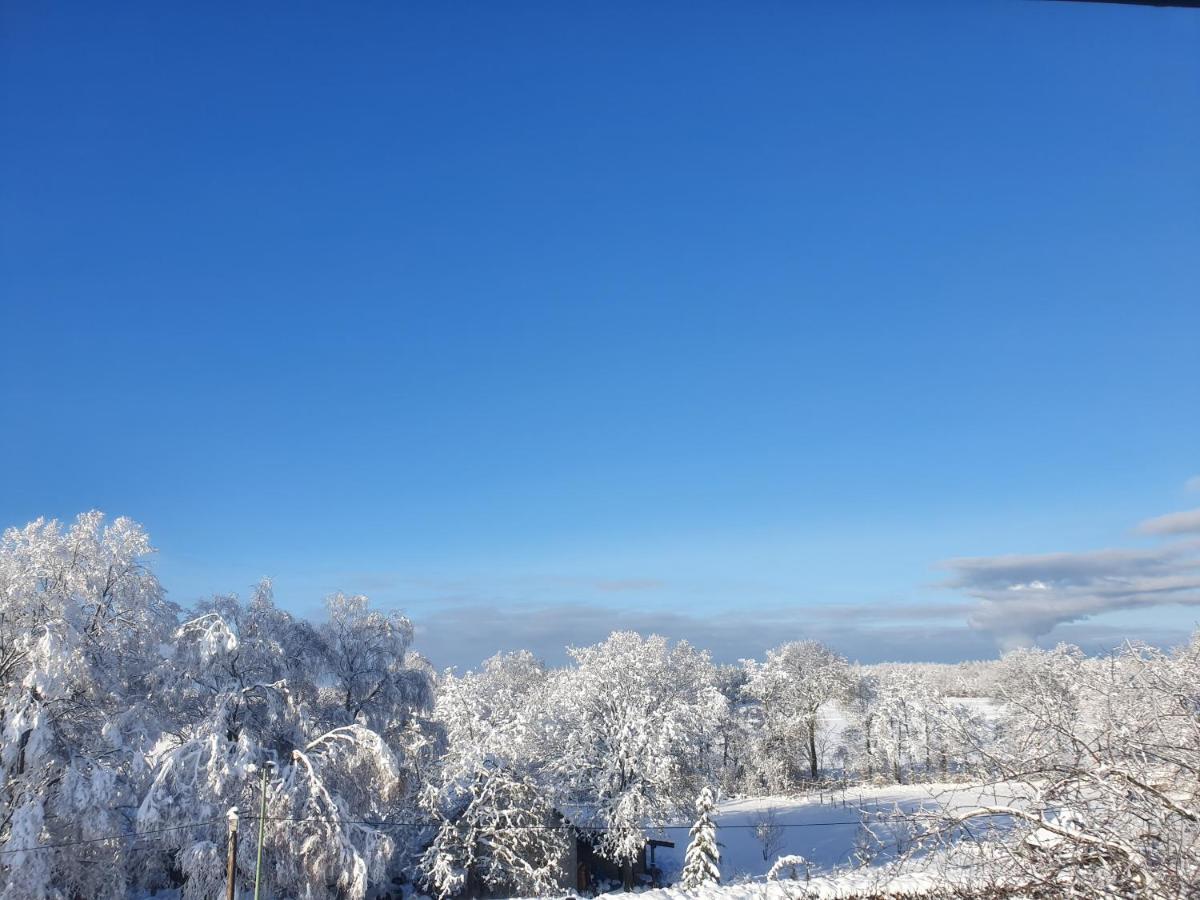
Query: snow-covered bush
point(791, 866)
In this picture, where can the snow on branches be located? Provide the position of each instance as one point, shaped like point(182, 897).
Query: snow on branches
point(116, 717)
point(632, 729)
point(495, 824)
point(702, 861)
point(81, 620)
point(792, 685)
point(1102, 757)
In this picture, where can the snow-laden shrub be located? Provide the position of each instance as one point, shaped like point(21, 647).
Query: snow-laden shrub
point(791, 866)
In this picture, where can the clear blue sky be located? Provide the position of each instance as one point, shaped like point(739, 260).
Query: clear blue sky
point(537, 319)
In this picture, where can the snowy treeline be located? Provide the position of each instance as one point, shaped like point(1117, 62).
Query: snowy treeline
point(973, 678)
point(806, 714)
point(131, 726)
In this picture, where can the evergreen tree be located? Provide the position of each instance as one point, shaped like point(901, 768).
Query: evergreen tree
point(702, 860)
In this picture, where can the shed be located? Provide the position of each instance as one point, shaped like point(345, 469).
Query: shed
point(585, 870)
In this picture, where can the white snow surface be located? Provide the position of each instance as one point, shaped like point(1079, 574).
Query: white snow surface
point(823, 828)
point(844, 885)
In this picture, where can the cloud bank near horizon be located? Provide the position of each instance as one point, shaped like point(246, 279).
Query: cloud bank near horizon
point(1014, 600)
point(463, 634)
point(1023, 597)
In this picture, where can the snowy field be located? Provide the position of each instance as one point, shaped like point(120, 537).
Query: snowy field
point(825, 829)
point(846, 885)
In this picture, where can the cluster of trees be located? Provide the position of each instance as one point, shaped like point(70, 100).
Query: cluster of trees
point(806, 714)
point(614, 744)
point(131, 727)
point(121, 714)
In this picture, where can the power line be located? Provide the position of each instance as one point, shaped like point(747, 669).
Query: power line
point(298, 820)
point(112, 837)
point(866, 819)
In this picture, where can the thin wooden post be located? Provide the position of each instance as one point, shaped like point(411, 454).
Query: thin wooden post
point(262, 821)
point(231, 865)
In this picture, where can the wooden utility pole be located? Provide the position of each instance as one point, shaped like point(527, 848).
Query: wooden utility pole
point(231, 865)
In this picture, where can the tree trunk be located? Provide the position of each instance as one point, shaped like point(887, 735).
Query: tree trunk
point(870, 762)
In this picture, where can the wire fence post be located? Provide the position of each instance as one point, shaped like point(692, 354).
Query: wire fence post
point(262, 822)
point(231, 864)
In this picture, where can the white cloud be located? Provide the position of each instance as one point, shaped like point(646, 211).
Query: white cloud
point(1185, 522)
point(1022, 597)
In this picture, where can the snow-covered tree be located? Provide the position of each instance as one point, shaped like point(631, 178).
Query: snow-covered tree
point(894, 722)
point(904, 728)
point(270, 644)
point(631, 734)
point(768, 831)
point(231, 722)
point(734, 728)
point(81, 623)
point(702, 860)
point(495, 831)
point(115, 718)
point(792, 685)
point(119, 715)
point(376, 679)
point(495, 826)
point(861, 699)
point(323, 805)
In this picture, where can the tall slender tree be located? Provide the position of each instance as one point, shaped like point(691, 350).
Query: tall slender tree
point(702, 862)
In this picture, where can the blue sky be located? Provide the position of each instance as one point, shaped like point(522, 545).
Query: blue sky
point(541, 319)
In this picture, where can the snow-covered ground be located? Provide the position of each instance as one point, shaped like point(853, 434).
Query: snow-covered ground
point(827, 828)
point(844, 885)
